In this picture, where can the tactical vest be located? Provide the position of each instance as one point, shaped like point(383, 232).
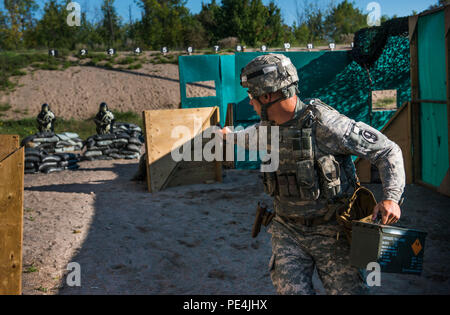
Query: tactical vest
point(304, 173)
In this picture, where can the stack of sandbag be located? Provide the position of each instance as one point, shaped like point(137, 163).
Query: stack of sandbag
point(40, 161)
point(54, 143)
point(124, 142)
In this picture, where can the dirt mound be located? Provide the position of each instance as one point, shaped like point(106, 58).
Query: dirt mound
point(77, 91)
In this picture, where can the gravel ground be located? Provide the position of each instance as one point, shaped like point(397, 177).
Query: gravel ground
point(185, 240)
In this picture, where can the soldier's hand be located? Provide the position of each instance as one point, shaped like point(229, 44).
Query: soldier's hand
point(390, 212)
point(223, 132)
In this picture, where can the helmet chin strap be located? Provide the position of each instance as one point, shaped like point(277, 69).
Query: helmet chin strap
point(265, 107)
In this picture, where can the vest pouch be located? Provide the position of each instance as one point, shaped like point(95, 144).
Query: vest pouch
point(329, 173)
point(306, 144)
point(307, 180)
point(283, 185)
point(270, 183)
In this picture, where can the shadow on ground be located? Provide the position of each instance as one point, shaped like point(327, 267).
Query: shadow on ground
point(196, 239)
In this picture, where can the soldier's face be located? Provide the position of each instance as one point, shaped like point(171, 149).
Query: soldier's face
point(256, 106)
point(103, 109)
point(45, 109)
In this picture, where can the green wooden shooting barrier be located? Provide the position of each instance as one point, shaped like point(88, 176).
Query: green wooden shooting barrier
point(432, 86)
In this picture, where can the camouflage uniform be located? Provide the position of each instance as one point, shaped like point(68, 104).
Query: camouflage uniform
point(46, 119)
point(104, 120)
point(304, 234)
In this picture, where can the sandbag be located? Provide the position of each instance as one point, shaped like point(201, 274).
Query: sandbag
point(66, 149)
point(62, 144)
point(135, 141)
point(30, 171)
point(126, 152)
point(109, 136)
point(27, 139)
point(45, 134)
point(30, 165)
point(132, 157)
point(117, 156)
point(51, 158)
point(110, 151)
point(66, 136)
point(32, 159)
point(93, 153)
point(133, 148)
point(104, 143)
point(123, 136)
point(47, 140)
point(32, 152)
point(46, 165)
point(51, 169)
point(124, 141)
point(67, 156)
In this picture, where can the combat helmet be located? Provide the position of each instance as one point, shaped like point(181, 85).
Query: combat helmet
point(104, 106)
point(268, 74)
point(45, 107)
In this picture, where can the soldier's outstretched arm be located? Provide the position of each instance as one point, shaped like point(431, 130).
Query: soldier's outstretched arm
point(339, 134)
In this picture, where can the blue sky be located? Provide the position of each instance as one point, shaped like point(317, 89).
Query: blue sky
point(288, 7)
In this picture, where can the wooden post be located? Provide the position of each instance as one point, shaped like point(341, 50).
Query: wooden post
point(415, 95)
point(11, 214)
point(444, 188)
point(447, 56)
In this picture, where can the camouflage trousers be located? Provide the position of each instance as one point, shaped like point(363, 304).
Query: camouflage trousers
point(297, 250)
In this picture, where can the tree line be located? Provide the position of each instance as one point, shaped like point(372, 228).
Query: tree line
point(170, 23)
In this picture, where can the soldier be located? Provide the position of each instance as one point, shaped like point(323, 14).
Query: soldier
point(315, 171)
point(104, 120)
point(46, 119)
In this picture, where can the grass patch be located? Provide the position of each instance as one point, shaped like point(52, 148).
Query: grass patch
point(42, 289)
point(31, 269)
point(4, 107)
point(11, 64)
point(169, 59)
point(84, 128)
point(135, 66)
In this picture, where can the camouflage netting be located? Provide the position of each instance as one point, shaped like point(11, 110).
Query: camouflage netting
point(371, 42)
point(379, 61)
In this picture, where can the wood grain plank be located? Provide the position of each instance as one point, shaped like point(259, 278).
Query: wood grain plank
point(11, 222)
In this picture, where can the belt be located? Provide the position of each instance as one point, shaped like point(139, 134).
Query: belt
point(308, 222)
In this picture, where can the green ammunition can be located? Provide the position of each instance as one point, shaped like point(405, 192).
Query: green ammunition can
point(396, 249)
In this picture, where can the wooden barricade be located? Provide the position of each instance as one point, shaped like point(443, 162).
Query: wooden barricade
point(11, 214)
point(162, 170)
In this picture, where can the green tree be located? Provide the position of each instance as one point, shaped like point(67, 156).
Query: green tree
point(19, 19)
point(211, 17)
point(110, 25)
point(344, 19)
point(52, 30)
point(162, 22)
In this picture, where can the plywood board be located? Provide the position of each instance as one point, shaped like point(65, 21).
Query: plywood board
point(11, 221)
point(159, 128)
point(444, 188)
point(398, 129)
point(8, 144)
